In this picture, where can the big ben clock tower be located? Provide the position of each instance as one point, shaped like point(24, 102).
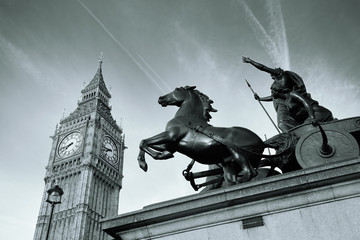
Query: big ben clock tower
point(86, 161)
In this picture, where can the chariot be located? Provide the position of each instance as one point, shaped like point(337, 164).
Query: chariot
point(335, 141)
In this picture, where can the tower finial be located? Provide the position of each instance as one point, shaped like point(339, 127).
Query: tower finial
point(101, 58)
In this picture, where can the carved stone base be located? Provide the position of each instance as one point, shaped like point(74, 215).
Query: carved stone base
point(315, 203)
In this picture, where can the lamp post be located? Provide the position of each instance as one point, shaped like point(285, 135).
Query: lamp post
point(54, 197)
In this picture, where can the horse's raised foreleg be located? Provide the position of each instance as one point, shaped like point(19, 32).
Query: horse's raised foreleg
point(164, 153)
point(141, 160)
point(155, 147)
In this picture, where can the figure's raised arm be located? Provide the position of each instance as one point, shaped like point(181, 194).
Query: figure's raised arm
point(259, 65)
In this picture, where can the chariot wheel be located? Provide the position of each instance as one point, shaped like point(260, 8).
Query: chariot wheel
point(341, 146)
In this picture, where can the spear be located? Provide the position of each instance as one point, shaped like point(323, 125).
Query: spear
point(262, 106)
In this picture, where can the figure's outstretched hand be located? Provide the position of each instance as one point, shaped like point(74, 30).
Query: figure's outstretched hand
point(246, 59)
point(256, 97)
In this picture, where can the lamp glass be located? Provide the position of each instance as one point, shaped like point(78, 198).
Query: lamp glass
point(55, 197)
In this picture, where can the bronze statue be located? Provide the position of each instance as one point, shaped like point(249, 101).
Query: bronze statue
point(237, 150)
point(289, 96)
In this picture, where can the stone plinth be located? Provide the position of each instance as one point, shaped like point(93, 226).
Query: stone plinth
point(317, 203)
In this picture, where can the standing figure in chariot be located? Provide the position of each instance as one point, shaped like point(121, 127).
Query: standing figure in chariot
point(291, 101)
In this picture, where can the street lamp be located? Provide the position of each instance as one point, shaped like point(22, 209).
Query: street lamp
point(54, 197)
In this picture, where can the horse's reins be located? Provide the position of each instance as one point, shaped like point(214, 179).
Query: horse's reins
point(202, 129)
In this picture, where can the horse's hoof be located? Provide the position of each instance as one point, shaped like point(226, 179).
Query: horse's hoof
point(247, 176)
point(143, 165)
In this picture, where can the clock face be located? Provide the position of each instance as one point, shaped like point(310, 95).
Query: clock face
point(70, 144)
point(109, 150)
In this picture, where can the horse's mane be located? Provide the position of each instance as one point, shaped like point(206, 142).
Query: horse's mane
point(206, 102)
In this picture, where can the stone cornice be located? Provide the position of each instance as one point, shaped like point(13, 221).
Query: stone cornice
point(64, 214)
point(73, 166)
point(111, 177)
point(113, 180)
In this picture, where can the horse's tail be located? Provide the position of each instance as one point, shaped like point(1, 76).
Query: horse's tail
point(284, 144)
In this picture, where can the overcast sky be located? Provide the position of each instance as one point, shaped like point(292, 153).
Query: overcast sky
point(49, 49)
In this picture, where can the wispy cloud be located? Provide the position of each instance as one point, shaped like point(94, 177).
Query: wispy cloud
point(23, 61)
point(162, 84)
point(274, 39)
point(198, 59)
point(278, 32)
point(140, 62)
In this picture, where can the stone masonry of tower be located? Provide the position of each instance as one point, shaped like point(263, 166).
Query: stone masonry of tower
point(86, 161)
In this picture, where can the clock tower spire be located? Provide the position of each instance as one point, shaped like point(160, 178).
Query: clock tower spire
point(86, 161)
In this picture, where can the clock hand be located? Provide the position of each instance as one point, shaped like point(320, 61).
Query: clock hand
point(69, 145)
point(66, 147)
point(108, 149)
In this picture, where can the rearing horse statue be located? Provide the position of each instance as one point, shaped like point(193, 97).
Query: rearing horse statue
point(237, 150)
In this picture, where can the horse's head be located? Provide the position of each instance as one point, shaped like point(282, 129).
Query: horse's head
point(176, 97)
point(197, 103)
